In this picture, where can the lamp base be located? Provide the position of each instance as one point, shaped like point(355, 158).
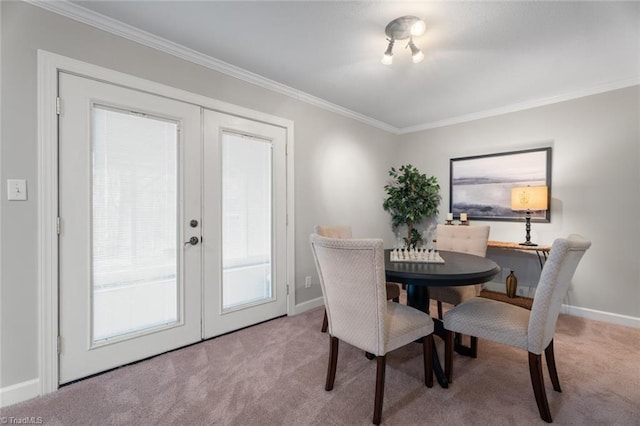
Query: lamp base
point(528, 243)
point(528, 229)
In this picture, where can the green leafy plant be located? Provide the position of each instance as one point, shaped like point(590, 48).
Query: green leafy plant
point(412, 198)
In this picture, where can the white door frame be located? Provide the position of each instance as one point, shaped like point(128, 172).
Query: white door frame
point(48, 66)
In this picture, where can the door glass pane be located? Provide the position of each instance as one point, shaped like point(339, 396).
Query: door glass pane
point(246, 220)
point(134, 223)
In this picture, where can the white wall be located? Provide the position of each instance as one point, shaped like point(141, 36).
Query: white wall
point(595, 186)
point(340, 164)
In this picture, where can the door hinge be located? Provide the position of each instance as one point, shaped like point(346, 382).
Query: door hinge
point(287, 289)
point(58, 105)
point(286, 149)
point(59, 345)
point(58, 225)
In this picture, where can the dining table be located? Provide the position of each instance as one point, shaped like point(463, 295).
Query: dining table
point(457, 269)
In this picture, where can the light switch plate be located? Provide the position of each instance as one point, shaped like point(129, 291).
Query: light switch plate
point(16, 189)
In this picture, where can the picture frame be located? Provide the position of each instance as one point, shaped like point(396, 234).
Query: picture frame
point(480, 185)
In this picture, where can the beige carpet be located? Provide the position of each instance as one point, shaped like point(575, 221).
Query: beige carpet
point(273, 374)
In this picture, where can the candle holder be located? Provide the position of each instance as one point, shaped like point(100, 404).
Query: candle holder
point(464, 222)
point(448, 222)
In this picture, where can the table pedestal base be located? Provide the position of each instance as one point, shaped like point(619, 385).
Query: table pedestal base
point(418, 297)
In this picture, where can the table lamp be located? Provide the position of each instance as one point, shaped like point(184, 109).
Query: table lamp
point(528, 199)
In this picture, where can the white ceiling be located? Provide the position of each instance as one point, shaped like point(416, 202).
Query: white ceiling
point(482, 58)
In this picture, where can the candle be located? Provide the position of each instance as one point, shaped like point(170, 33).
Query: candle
point(463, 217)
point(449, 216)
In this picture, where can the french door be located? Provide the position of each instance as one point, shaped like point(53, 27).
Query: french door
point(169, 233)
point(249, 191)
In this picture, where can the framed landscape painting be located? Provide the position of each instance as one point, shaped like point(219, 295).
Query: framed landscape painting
point(480, 186)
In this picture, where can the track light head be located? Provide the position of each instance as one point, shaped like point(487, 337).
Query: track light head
point(387, 58)
point(418, 28)
point(416, 54)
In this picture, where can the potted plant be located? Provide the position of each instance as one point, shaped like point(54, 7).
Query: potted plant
point(412, 198)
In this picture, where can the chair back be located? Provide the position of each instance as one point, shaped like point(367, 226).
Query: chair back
point(552, 288)
point(352, 277)
point(333, 231)
point(463, 239)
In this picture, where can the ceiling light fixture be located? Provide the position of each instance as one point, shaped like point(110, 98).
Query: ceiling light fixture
point(405, 27)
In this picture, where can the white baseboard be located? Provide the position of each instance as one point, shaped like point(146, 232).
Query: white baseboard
point(521, 290)
point(308, 305)
point(609, 317)
point(19, 392)
point(576, 311)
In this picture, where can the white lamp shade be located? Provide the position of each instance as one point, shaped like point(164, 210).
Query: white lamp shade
point(531, 198)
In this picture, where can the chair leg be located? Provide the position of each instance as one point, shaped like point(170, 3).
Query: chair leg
point(333, 361)
point(448, 355)
point(380, 372)
point(473, 344)
point(474, 347)
point(457, 339)
point(537, 381)
point(439, 309)
point(396, 299)
point(325, 322)
point(551, 365)
point(427, 355)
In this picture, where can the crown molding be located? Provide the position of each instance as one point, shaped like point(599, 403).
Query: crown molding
point(602, 88)
point(89, 17)
point(81, 14)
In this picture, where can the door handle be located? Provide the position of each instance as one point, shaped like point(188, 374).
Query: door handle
point(193, 241)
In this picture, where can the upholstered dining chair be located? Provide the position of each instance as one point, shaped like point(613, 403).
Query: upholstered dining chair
point(470, 239)
point(343, 231)
point(515, 326)
point(352, 276)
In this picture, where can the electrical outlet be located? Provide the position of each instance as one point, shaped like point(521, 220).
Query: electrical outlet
point(307, 282)
point(524, 291)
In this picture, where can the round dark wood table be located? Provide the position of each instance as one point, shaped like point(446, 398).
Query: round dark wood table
point(458, 269)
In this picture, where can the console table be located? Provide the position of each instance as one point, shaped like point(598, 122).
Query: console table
point(523, 302)
point(541, 251)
